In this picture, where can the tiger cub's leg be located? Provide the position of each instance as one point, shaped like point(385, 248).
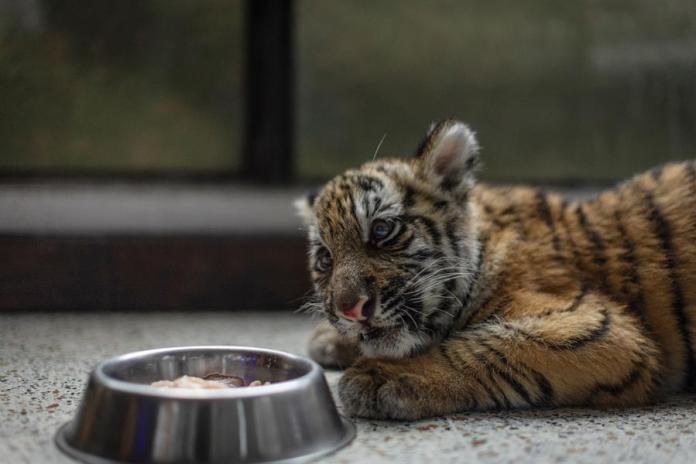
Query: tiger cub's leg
point(331, 349)
point(591, 352)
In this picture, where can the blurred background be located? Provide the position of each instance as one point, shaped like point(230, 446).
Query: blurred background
point(150, 149)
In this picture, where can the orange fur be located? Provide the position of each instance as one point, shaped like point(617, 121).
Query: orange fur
point(572, 303)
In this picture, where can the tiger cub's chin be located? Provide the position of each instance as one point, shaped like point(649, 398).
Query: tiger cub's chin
point(334, 348)
point(397, 343)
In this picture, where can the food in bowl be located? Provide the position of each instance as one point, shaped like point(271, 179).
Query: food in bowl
point(214, 381)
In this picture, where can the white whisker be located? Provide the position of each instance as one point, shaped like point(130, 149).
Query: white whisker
point(379, 145)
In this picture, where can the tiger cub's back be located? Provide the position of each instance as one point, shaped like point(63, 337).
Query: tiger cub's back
point(641, 240)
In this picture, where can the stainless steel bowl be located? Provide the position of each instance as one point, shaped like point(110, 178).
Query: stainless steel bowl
point(124, 419)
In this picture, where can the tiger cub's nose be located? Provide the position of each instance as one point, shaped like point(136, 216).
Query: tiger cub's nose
point(359, 311)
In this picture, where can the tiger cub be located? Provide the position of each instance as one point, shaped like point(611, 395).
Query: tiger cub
point(444, 295)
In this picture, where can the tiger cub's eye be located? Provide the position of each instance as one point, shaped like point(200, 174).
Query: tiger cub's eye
point(323, 260)
point(381, 229)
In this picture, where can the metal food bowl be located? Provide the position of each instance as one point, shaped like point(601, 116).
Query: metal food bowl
point(124, 419)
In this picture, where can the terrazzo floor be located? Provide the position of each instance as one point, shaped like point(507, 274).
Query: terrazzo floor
point(45, 358)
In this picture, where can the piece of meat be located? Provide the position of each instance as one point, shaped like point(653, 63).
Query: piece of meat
point(214, 381)
point(229, 380)
point(186, 381)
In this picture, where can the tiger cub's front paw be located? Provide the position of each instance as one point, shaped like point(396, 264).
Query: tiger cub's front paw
point(330, 349)
point(379, 389)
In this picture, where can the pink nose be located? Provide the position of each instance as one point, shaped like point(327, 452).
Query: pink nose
point(356, 312)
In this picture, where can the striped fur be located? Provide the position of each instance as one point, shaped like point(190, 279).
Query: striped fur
point(493, 297)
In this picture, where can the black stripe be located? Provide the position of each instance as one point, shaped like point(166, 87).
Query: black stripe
point(425, 145)
point(429, 224)
point(414, 308)
point(450, 229)
point(312, 197)
point(332, 318)
point(497, 218)
point(598, 248)
point(509, 210)
point(518, 387)
point(394, 286)
point(639, 367)
point(544, 211)
point(542, 383)
point(365, 182)
point(440, 205)
point(520, 225)
point(490, 371)
point(422, 146)
point(635, 297)
point(545, 388)
point(569, 344)
point(563, 208)
point(656, 173)
point(464, 300)
point(450, 182)
point(664, 234)
point(445, 354)
point(353, 212)
point(395, 235)
point(376, 205)
point(366, 205)
point(574, 305)
point(690, 169)
point(341, 209)
point(454, 367)
point(343, 184)
point(578, 299)
point(577, 261)
point(423, 255)
point(579, 342)
point(618, 388)
point(401, 246)
point(543, 208)
point(409, 193)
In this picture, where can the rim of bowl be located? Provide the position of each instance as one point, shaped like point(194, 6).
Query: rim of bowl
point(196, 394)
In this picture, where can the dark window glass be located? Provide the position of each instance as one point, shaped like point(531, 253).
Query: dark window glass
point(126, 85)
point(557, 90)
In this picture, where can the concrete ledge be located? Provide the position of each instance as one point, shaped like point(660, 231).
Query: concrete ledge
point(162, 209)
point(158, 246)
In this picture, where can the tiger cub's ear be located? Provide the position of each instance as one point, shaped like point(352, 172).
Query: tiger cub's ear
point(304, 206)
point(448, 156)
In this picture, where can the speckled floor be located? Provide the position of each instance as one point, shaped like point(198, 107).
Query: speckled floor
point(45, 357)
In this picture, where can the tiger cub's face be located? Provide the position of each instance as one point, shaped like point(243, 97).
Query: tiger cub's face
point(393, 245)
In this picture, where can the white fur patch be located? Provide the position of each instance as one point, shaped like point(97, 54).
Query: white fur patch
point(304, 210)
point(407, 343)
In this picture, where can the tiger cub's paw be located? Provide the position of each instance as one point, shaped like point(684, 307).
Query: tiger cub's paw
point(379, 389)
point(331, 349)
